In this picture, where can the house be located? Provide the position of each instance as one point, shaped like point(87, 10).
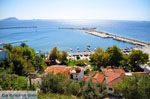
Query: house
point(3, 54)
point(76, 73)
point(73, 72)
point(112, 77)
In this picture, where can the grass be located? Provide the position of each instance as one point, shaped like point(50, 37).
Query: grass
point(55, 96)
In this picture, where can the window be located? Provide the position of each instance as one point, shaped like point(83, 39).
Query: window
point(110, 89)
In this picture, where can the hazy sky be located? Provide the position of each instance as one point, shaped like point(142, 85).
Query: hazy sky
point(76, 9)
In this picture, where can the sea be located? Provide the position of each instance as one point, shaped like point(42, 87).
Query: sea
point(47, 34)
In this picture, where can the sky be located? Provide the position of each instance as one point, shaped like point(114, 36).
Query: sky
point(76, 9)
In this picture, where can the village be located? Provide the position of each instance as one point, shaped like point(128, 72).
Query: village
point(95, 69)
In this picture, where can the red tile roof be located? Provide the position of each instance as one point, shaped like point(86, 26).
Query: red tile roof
point(97, 78)
point(58, 69)
point(112, 70)
point(115, 81)
point(54, 69)
point(66, 71)
point(113, 76)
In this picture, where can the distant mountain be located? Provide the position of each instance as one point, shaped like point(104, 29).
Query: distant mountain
point(10, 19)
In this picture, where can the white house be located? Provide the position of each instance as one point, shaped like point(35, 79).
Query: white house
point(3, 54)
point(76, 73)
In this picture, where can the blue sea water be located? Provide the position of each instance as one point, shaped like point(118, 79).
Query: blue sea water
point(47, 34)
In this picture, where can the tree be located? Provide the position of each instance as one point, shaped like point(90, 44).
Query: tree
point(59, 84)
point(144, 87)
point(115, 55)
point(136, 58)
point(99, 57)
point(135, 87)
point(22, 61)
point(80, 63)
point(8, 47)
point(93, 90)
point(23, 45)
point(63, 57)
point(13, 82)
point(124, 63)
point(54, 54)
point(29, 53)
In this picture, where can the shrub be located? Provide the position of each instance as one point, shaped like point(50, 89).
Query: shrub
point(14, 82)
point(93, 90)
point(59, 84)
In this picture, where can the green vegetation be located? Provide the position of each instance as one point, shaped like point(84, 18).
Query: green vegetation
point(93, 90)
point(112, 56)
point(22, 60)
point(54, 54)
point(77, 62)
point(63, 57)
point(55, 96)
point(115, 58)
point(13, 82)
point(100, 58)
point(136, 58)
point(60, 84)
point(15, 69)
point(115, 55)
point(135, 87)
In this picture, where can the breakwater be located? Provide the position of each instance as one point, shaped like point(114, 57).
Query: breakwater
point(14, 42)
point(95, 32)
point(18, 27)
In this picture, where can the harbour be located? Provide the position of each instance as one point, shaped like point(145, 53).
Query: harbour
point(95, 32)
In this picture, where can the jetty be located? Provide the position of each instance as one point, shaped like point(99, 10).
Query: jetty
point(18, 27)
point(14, 42)
point(95, 32)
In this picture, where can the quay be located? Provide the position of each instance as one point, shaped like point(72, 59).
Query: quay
point(95, 32)
point(14, 42)
point(18, 27)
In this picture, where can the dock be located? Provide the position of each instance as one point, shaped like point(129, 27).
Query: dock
point(18, 27)
point(14, 42)
point(95, 32)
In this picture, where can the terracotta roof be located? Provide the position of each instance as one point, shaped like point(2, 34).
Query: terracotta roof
point(97, 78)
point(55, 69)
point(110, 76)
point(66, 71)
point(113, 76)
point(115, 81)
point(112, 70)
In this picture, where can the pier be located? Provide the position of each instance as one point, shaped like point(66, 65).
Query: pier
point(14, 42)
point(18, 27)
point(95, 32)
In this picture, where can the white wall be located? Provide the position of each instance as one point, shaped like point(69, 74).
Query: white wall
point(109, 91)
point(3, 54)
point(81, 74)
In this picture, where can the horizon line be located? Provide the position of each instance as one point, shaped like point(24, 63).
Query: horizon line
point(69, 19)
